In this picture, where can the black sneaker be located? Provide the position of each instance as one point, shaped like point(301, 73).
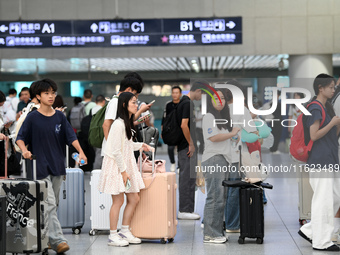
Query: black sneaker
point(304, 236)
point(334, 247)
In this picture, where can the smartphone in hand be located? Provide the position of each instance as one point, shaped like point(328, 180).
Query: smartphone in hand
point(144, 118)
point(128, 184)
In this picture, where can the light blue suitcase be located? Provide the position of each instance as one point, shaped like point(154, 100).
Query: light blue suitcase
point(71, 209)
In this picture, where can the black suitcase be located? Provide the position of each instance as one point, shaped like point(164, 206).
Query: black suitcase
point(251, 209)
point(2, 225)
point(26, 214)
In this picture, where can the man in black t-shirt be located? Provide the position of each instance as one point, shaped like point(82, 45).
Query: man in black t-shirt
point(169, 107)
point(187, 154)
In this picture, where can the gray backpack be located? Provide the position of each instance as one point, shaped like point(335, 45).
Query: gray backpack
point(77, 114)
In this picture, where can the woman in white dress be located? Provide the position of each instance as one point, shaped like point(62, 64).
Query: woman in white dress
point(120, 169)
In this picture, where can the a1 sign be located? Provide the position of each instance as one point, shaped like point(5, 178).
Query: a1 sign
point(50, 29)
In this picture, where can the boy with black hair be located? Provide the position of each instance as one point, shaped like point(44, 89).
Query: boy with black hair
point(137, 76)
point(46, 132)
point(128, 84)
point(187, 154)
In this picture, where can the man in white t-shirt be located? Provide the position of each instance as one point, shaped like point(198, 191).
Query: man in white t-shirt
point(128, 84)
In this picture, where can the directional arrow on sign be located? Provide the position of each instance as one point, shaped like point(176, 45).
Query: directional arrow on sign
point(94, 27)
point(3, 28)
point(231, 24)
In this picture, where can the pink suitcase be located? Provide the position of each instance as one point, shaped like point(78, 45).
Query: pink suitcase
point(155, 214)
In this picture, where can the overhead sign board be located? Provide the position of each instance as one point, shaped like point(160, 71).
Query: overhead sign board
point(114, 33)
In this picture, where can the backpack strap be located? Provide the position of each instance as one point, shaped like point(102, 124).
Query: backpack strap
point(322, 110)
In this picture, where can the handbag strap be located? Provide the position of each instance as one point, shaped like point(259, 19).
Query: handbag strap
point(153, 174)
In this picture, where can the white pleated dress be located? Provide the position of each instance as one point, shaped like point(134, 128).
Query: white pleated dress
point(119, 156)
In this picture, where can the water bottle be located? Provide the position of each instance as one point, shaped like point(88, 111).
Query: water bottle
point(75, 156)
point(152, 143)
point(234, 141)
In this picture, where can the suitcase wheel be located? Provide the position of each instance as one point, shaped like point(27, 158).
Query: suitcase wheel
point(170, 240)
point(163, 241)
point(92, 232)
point(259, 240)
point(76, 231)
point(302, 221)
point(45, 252)
point(241, 240)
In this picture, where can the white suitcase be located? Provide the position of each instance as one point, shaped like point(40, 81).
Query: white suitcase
point(305, 196)
point(100, 206)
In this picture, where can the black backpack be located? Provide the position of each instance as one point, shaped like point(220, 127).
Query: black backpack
point(172, 132)
point(85, 124)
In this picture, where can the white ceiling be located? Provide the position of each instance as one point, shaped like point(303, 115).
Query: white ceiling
point(171, 64)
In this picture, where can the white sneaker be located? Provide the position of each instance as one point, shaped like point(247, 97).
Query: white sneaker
point(188, 216)
point(202, 225)
point(173, 168)
point(116, 240)
point(178, 170)
point(232, 230)
point(276, 152)
point(217, 240)
point(336, 237)
point(130, 238)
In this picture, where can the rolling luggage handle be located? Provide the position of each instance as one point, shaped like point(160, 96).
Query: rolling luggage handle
point(141, 161)
point(153, 166)
point(243, 183)
point(242, 173)
point(34, 158)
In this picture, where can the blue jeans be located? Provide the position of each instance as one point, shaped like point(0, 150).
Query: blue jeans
point(232, 206)
point(216, 197)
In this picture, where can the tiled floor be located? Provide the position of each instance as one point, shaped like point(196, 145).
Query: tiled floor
point(281, 226)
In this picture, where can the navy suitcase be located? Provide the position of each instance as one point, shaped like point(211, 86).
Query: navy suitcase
point(2, 225)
